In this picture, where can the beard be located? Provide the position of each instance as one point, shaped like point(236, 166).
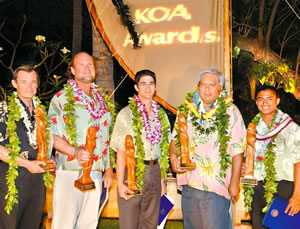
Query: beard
point(87, 78)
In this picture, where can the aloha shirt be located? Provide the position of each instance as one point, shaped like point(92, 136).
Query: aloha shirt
point(204, 151)
point(57, 118)
point(287, 150)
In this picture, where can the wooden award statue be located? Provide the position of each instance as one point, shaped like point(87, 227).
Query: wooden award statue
point(85, 182)
point(185, 161)
point(130, 164)
point(41, 124)
point(250, 154)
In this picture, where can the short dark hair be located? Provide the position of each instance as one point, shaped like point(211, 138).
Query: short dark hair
point(25, 68)
point(142, 73)
point(266, 87)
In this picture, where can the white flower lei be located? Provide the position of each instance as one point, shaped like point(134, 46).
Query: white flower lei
point(31, 131)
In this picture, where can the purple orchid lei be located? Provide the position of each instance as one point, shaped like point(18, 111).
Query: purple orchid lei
point(89, 105)
point(155, 136)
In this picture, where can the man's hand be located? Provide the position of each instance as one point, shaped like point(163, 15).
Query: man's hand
point(108, 178)
point(244, 169)
point(234, 191)
point(234, 186)
point(163, 188)
point(52, 160)
point(294, 202)
point(82, 156)
point(175, 162)
point(123, 189)
point(293, 206)
point(35, 166)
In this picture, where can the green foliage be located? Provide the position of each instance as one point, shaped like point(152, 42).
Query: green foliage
point(275, 75)
point(183, 110)
point(270, 185)
point(48, 179)
point(69, 108)
point(137, 125)
point(235, 49)
point(137, 128)
point(14, 146)
point(221, 124)
point(248, 193)
point(270, 178)
point(112, 108)
point(164, 145)
point(236, 52)
point(224, 135)
point(13, 116)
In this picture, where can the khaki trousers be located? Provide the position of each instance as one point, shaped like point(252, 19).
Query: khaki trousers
point(71, 207)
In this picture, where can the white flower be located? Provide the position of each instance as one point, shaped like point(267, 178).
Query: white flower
point(1, 49)
point(65, 50)
point(40, 38)
point(31, 134)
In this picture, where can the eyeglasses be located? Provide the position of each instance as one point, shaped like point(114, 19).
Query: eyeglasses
point(144, 84)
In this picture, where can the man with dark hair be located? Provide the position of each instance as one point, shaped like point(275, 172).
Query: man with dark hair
point(72, 111)
point(277, 157)
point(216, 135)
point(148, 125)
point(19, 169)
point(142, 73)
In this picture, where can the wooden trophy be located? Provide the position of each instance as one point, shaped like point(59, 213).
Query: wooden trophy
point(130, 164)
point(185, 161)
point(41, 124)
point(85, 182)
point(250, 154)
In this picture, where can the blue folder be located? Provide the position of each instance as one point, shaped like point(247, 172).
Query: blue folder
point(165, 207)
point(277, 219)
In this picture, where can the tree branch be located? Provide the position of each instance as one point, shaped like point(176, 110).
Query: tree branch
point(260, 35)
point(285, 40)
point(245, 25)
point(270, 24)
point(16, 45)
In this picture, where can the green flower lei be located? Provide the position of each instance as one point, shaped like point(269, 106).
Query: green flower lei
point(112, 108)
point(269, 159)
point(221, 125)
point(13, 116)
point(137, 124)
point(69, 108)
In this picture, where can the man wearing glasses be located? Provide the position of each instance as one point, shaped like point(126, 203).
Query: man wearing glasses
point(149, 127)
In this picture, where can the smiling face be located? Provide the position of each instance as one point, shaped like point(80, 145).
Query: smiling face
point(26, 84)
point(267, 102)
point(209, 88)
point(146, 87)
point(83, 68)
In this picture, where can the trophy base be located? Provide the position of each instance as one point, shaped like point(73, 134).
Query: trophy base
point(84, 187)
point(48, 167)
point(248, 181)
point(187, 166)
point(135, 193)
